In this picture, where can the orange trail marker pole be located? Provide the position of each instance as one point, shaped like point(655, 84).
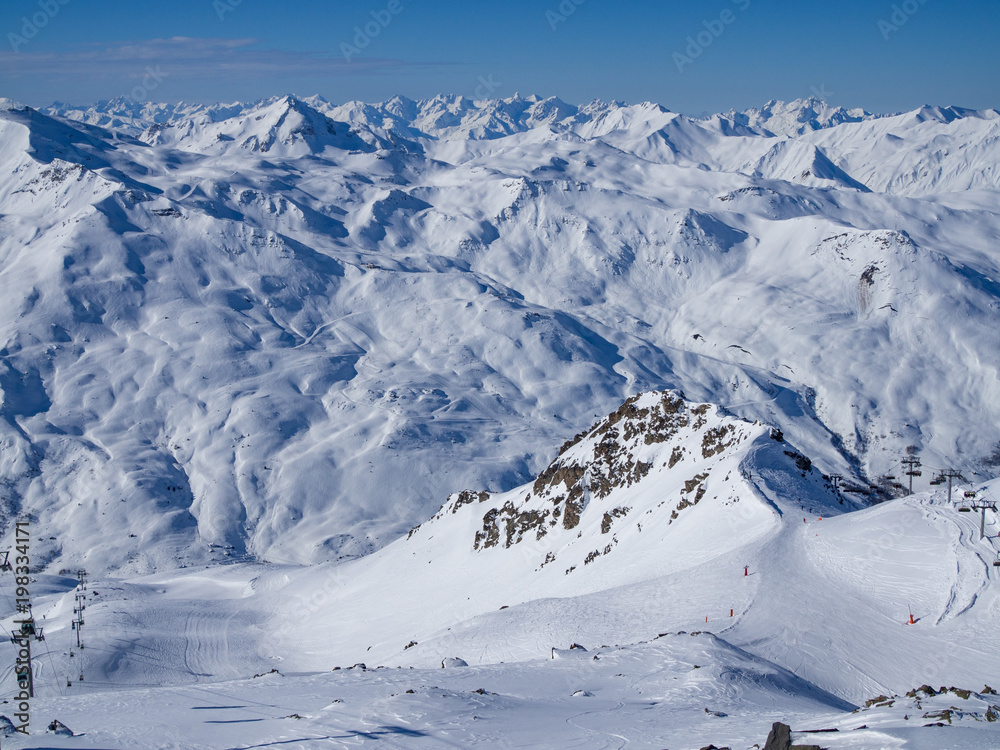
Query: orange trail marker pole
point(730, 613)
point(746, 570)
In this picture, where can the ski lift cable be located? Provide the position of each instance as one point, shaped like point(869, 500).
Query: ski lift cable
point(55, 673)
point(138, 657)
point(238, 698)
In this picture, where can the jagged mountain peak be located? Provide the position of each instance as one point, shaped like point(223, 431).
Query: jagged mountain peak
point(802, 162)
point(284, 126)
point(797, 117)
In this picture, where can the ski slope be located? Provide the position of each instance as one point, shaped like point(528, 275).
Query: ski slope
point(819, 624)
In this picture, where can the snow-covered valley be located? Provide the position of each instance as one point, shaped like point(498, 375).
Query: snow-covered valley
point(247, 352)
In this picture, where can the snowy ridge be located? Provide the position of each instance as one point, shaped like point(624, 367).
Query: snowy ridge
point(287, 127)
point(637, 129)
point(672, 452)
point(791, 118)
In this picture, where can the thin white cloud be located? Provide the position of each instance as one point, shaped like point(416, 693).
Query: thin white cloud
point(189, 57)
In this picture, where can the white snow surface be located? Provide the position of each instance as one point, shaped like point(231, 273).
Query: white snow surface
point(733, 589)
point(278, 335)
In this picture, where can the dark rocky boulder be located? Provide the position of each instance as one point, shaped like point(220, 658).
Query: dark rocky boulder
point(780, 738)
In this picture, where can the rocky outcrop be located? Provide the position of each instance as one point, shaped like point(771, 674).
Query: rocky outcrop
point(657, 430)
point(593, 465)
point(780, 738)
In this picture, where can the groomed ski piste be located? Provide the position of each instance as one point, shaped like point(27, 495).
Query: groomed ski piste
point(678, 577)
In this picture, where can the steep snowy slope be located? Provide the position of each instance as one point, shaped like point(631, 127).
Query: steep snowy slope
point(930, 151)
point(255, 330)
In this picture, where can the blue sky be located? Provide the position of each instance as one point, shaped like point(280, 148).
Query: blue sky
point(692, 57)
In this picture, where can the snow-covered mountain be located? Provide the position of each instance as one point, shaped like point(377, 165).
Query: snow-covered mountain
point(287, 329)
point(791, 118)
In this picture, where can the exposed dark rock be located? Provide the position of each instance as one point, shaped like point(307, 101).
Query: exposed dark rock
point(514, 524)
point(468, 496)
point(880, 700)
point(941, 716)
point(573, 508)
point(573, 441)
point(714, 441)
point(557, 474)
point(57, 727)
point(803, 463)
point(780, 737)
point(610, 517)
point(604, 460)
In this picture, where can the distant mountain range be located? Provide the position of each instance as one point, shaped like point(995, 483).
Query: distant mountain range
point(288, 330)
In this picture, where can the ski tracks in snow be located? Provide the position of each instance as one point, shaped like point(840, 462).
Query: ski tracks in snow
point(971, 575)
point(206, 643)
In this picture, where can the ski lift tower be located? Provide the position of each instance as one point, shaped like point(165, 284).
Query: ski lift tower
point(949, 476)
point(912, 466)
point(981, 506)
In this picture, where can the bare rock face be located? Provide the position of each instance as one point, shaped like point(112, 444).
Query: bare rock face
point(594, 464)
